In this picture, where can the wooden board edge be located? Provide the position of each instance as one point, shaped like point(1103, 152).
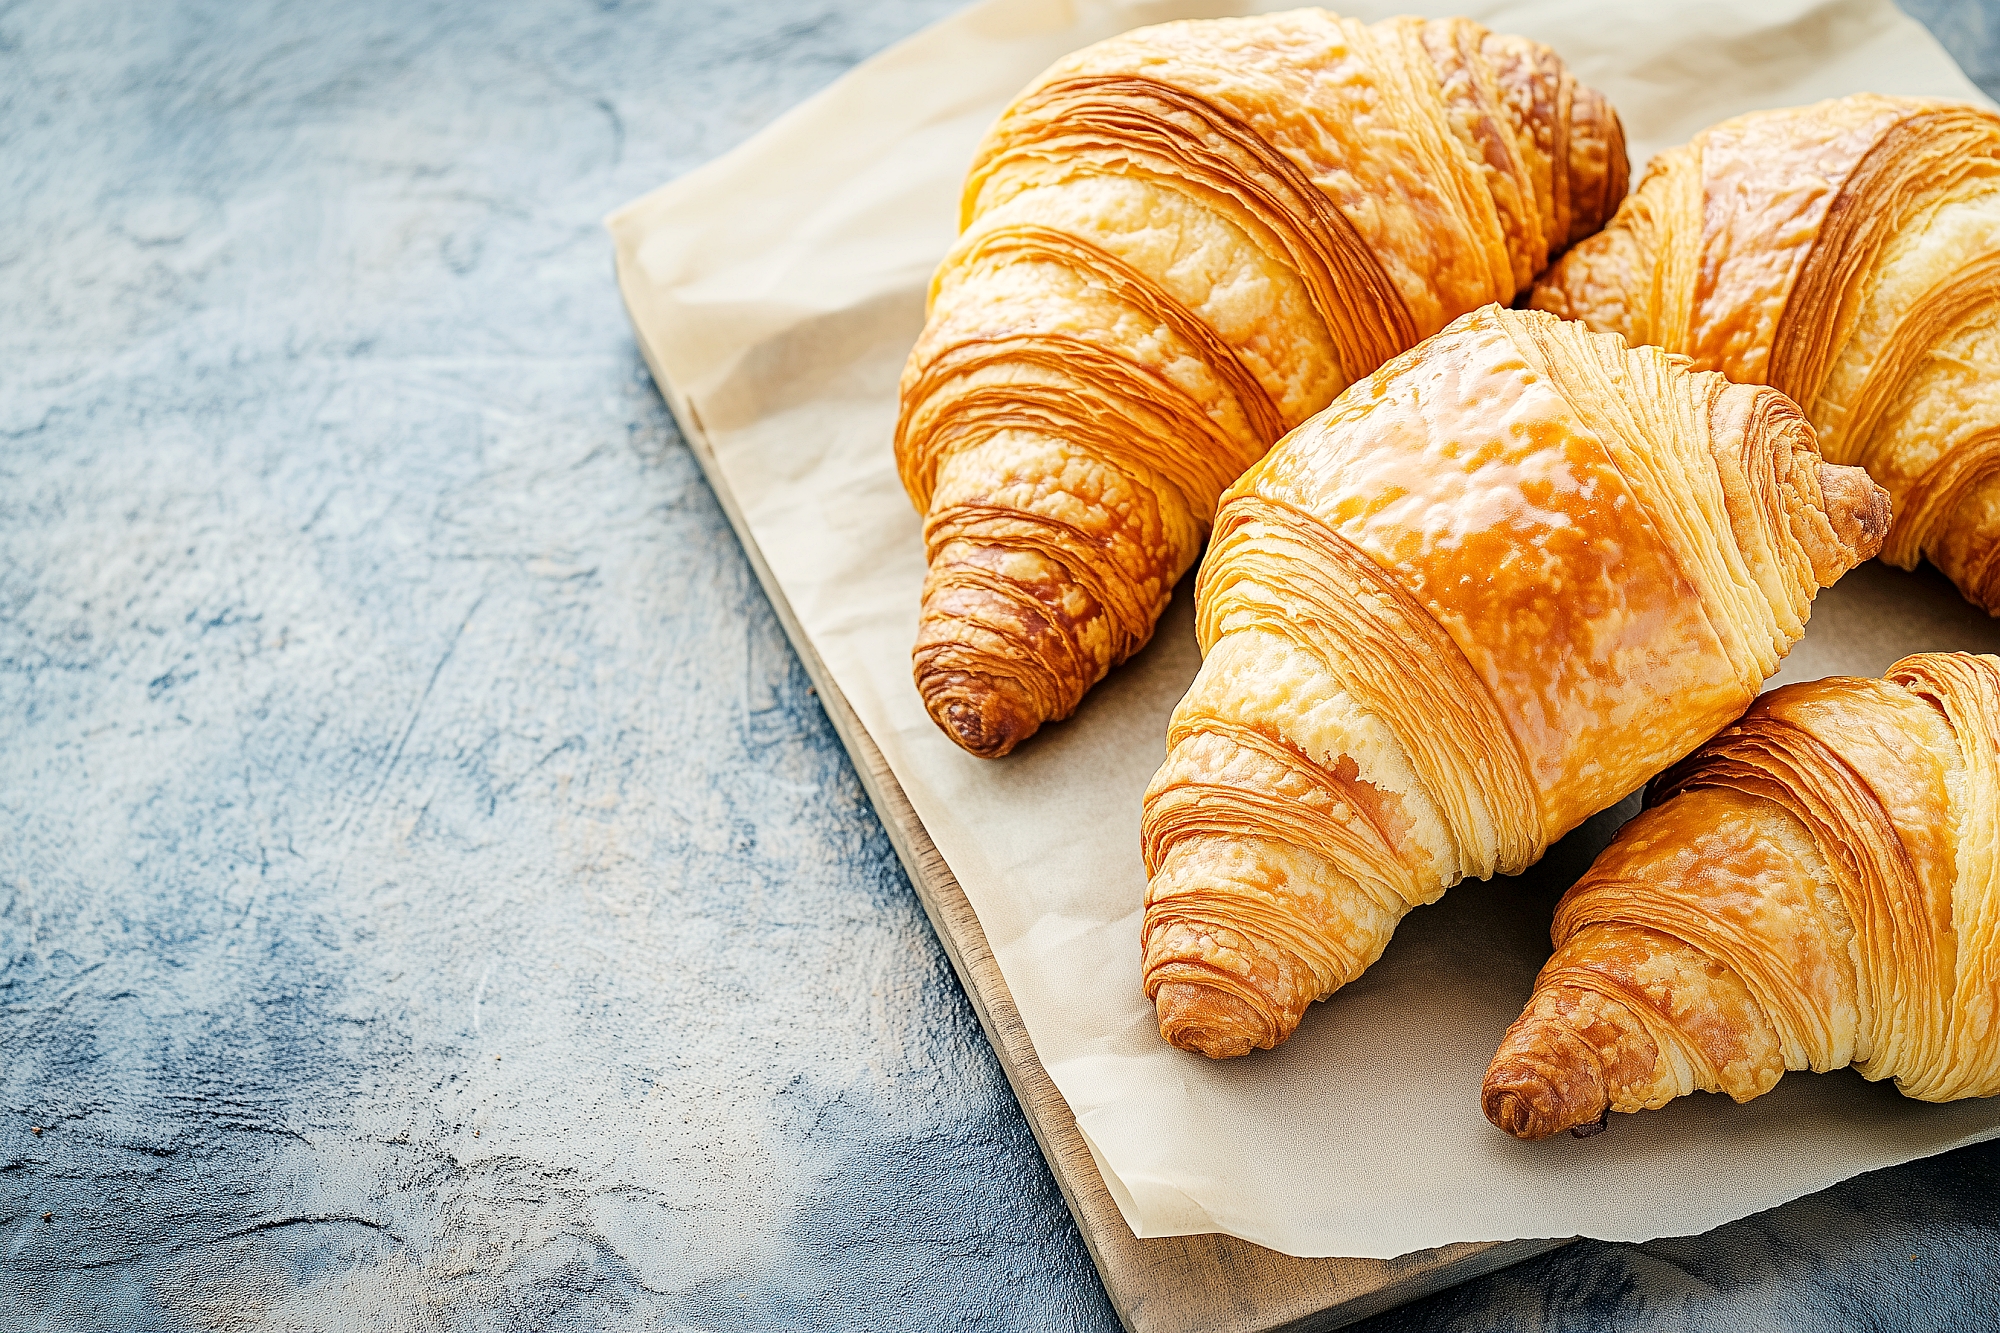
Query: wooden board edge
point(1209, 1283)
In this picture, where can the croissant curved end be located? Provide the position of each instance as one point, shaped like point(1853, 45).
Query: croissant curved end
point(985, 715)
point(1532, 1095)
point(1514, 1113)
point(1532, 1108)
point(1857, 508)
point(1212, 1021)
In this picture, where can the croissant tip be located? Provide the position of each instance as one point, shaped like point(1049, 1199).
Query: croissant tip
point(1511, 1113)
point(1528, 1105)
point(1211, 1021)
point(975, 732)
point(979, 714)
point(1858, 509)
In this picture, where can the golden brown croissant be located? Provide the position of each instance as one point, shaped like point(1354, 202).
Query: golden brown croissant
point(1813, 888)
point(1177, 245)
point(1848, 254)
point(1483, 596)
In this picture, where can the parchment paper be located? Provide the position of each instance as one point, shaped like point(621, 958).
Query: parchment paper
point(779, 289)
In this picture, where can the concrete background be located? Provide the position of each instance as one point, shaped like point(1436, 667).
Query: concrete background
point(430, 896)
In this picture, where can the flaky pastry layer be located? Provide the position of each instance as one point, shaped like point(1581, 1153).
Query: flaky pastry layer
point(1814, 888)
point(1487, 593)
point(1177, 245)
point(1847, 253)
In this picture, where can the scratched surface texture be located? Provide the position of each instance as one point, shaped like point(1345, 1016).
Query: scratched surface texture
point(430, 897)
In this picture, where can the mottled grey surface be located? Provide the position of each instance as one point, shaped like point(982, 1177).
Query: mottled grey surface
point(431, 897)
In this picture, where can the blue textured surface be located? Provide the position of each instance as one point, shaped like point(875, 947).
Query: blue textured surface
point(431, 897)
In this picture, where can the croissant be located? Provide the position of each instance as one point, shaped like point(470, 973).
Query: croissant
point(1177, 245)
point(1813, 888)
point(1847, 253)
point(1483, 596)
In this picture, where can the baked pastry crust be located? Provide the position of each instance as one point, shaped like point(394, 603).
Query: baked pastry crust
point(1486, 594)
point(1814, 888)
point(1177, 245)
point(1847, 253)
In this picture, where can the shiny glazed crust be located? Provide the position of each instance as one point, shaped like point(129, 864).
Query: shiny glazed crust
point(1847, 253)
point(1813, 888)
point(1488, 592)
point(1179, 244)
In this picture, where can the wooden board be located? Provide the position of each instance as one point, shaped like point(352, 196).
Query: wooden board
point(1175, 1284)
